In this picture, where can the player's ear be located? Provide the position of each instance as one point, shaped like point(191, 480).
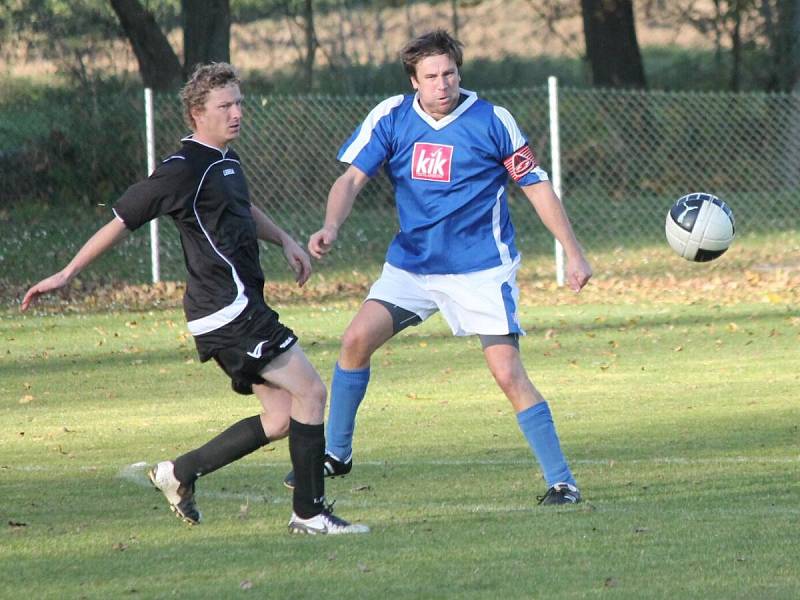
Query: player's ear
point(196, 113)
point(414, 82)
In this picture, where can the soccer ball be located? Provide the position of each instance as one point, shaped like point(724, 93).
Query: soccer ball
point(700, 227)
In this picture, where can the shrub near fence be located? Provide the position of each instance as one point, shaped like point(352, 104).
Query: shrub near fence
point(626, 156)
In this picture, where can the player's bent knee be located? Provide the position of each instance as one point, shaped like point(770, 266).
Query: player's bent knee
point(508, 376)
point(276, 427)
point(356, 345)
point(316, 394)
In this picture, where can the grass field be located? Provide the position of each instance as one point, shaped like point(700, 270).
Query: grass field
point(678, 414)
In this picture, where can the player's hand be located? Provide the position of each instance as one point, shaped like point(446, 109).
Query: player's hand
point(53, 282)
point(578, 272)
point(298, 260)
point(320, 243)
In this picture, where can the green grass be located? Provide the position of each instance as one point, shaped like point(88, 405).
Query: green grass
point(680, 423)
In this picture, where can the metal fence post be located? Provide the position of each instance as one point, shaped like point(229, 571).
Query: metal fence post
point(555, 156)
point(155, 263)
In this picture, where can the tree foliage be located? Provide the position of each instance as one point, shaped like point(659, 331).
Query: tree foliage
point(756, 43)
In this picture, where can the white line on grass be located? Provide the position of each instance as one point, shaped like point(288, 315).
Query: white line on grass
point(665, 460)
point(135, 473)
point(602, 461)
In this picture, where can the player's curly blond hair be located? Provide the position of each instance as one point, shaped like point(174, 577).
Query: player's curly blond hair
point(433, 43)
point(204, 79)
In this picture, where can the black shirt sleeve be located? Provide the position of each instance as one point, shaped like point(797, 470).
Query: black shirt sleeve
point(164, 192)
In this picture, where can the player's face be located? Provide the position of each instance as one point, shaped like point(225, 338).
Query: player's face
point(220, 119)
point(437, 81)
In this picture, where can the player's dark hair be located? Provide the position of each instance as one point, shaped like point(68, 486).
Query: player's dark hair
point(204, 79)
point(433, 43)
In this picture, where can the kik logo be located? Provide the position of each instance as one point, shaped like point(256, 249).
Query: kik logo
point(431, 162)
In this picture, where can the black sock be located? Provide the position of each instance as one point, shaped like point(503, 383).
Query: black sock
point(237, 441)
point(307, 449)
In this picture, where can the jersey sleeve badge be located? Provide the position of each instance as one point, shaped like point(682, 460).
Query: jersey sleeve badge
point(521, 162)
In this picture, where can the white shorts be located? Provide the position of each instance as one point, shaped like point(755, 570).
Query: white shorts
point(482, 303)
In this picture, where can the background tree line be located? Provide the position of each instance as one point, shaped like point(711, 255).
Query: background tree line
point(74, 32)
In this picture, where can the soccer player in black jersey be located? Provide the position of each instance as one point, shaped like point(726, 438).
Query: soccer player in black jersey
point(202, 187)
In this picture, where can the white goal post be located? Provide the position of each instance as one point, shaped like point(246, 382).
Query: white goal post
point(155, 261)
point(555, 166)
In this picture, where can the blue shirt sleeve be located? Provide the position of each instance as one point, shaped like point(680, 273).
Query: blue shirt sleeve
point(370, 145)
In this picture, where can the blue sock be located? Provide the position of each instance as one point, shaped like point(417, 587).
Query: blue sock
point(347, 391)
point(537, 426)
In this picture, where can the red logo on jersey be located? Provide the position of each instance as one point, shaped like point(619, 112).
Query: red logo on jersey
point(521, 163)
point(431, 162)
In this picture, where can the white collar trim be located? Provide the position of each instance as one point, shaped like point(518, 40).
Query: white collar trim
point(470, 99)
point(190, 138)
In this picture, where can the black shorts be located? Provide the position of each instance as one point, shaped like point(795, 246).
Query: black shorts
point(244, 362)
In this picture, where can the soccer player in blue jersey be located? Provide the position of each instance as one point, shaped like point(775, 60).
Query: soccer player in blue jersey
point(449, 156)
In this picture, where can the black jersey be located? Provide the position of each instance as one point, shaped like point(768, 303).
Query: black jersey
point(204, 191)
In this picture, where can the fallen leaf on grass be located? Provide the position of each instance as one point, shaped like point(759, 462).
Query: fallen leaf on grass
point(610, 582)
point(363, 568)
point(17, 524)
point(246, 585)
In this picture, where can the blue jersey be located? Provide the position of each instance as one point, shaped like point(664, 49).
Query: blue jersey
point(450, 179)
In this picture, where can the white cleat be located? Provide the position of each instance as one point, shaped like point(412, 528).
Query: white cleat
point(179, 496)
point(325, 523)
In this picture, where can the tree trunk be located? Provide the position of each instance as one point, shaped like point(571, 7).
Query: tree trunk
point(611, 46)
point(311, 44)
point(787, 45)
point(736, 48)
point(158, 64)
point(206, 32)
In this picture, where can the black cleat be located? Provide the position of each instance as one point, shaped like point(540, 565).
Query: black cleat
point(331, 468)
point(179, 496)
point(560, 493)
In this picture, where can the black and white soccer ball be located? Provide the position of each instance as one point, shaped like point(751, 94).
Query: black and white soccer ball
point(700, 227)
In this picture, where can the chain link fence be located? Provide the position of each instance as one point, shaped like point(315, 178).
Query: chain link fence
point(625, 157)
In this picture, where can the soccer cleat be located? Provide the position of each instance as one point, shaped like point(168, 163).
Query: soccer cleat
point(331, 468)
point(560, 493)
point(325, 523)
point(179, 496)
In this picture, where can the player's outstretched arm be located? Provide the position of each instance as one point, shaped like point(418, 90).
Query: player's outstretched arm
point(341, 198)
point(105, 237)
point(267, 230)
point(551, 211)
